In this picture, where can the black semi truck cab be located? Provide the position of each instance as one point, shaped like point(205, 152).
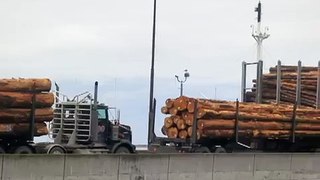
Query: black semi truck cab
point(82, 125)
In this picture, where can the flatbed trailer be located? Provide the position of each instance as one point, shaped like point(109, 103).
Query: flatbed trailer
point(235, 143)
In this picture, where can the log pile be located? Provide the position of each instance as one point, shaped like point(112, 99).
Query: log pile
point(288, 86)
point(216, 119)
point(16, 100)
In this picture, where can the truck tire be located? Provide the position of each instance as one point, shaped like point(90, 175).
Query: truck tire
point(122, 150)
point(202, 150)
point(220, 150)
point(23, 150)
point(56, 150)
point(2, 151)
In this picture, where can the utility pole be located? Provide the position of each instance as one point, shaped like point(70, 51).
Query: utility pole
point(151, 134)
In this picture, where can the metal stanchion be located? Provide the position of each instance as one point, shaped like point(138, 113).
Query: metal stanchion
point(298, 87)
point(278, 94)
point(243, 81)
point(318, 87)
point(259, 81)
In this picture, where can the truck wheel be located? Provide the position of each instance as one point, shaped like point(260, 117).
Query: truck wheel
point(2, 151)
point(202, 150)
point(23, 150)
point(220, 150)
point(122, 150)
point(56, 150)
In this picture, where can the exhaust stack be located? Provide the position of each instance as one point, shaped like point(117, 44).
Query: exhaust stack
point(94, 114)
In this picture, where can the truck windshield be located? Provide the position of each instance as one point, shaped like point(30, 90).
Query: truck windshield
point(102, 114)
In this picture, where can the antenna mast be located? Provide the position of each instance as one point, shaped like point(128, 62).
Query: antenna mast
point(258, 35)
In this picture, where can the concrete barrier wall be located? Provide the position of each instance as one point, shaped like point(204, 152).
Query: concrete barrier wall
point(161, 167)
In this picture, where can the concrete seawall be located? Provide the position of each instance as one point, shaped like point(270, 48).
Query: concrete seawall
point(161, 167)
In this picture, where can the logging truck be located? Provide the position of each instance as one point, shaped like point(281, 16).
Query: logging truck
point(204, 125)
point(83, 126)
point(79, 125)
point(227, 126)
point(289, 128)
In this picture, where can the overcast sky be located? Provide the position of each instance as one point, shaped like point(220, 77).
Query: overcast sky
point(76, 42)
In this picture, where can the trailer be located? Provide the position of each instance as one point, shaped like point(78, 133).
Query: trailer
point(293, 142)
point(190, 145)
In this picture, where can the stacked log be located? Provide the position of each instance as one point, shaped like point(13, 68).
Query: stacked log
point(17, 97)
point(217, 119)
point(309, 77)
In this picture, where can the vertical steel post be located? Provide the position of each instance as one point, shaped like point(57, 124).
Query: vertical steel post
point(243, 81)
point(259, 82)
point(151, 97)
point(152, 135)
point(181, 88)
point(318, 87)
point(94, 116)
point(195, 124)
point(152, 56)
point(32, 117)
point(236, 131)
point(293, 123)
point(298, 87)
point(278, 95)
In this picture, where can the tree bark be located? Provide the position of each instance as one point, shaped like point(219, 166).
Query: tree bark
point(188, 117)
point(181, 124)
point(175, 119)
point(256, 133)
point(181, 103)
point(169, 103)
point(24, 100)
point(164, 130)
point(309, 77)
point(183, 134)
point(189, 130)
point(173, 111)
point(14, 85)
point(259, 125)
point(168, 122)
point(20, 129)
point(293, 69)
point(24, 115)
point(165, 110)
point(172, 132)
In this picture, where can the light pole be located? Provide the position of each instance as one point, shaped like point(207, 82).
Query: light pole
point(186, 75)
point(152, 101)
